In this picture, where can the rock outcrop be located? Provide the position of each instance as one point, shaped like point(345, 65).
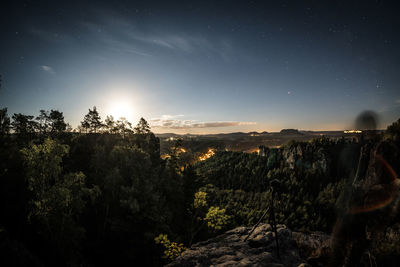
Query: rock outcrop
point(304, 156)
point(230, 249)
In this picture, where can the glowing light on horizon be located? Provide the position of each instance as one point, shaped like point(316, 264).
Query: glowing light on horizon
point(352, 131)
point(209, 154)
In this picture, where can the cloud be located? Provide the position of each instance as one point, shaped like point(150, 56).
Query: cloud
point(168, 117)
point(187, 43)
point(183, 43)
point(167, 121)
point(47, 69)
point(398, 101)
point(120, 33)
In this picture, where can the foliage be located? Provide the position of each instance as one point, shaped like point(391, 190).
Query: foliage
point(309, 183)
point(200, 200)
point(171, 249)
point(56, 199)
point(23, 125)
point(216, 218)
point(110, 125)
point(213, 217)
point(123, 127)
point(393, 130)
point(43, 164)
point(76, 199)
point(4, 122)
point(43, 121)
point(142, 127)
point(57, 123)
point(92, 121)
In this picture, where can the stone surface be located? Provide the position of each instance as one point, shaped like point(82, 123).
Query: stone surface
point(230, 249)
point(314, 247)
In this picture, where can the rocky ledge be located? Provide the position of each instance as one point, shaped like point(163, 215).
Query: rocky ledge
point(230, 249)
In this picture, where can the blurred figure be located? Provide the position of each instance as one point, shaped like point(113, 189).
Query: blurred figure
point(370, 203)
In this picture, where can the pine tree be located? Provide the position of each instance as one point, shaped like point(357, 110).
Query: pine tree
point(111, 125)
point(23, 125)
point(142, 127)
point(123, 126)
point(92, 121)
point(57, 122)
point(43, 121)
point(4, 122)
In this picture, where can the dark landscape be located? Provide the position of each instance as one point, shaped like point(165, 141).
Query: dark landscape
point(246, 142)
point(107, 196)
point(199, 133)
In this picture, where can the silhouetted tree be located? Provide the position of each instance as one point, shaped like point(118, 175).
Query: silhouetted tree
point(92, 121)
point(68, 128)
point(83, 127)
point(174, 153)
point(4, 122)
point(57, 122)
point(393, 130)
point(142, 127)
point(110, 125)
point(43, 122)
point(124, 127)
point(23, 125)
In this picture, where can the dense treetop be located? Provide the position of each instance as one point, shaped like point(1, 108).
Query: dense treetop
point(103, 195)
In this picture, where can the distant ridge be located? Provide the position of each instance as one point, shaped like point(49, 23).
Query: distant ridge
point(290, 131)
point(255, 133)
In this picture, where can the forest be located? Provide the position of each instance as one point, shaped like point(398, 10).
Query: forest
point(103, 195)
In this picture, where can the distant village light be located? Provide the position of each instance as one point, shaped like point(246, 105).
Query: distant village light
point(352, 131)
point(209, 154)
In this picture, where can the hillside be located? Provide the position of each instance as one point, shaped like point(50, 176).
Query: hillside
point(106, 195)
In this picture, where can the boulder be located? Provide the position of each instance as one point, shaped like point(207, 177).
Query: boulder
point(230, 249)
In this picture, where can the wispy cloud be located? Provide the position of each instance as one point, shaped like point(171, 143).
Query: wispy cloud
point(124, 35)
point(119, 33)
point(47, 69)
point(186, 43)
point(168, 121)
point(182, 42)
point(169, 117)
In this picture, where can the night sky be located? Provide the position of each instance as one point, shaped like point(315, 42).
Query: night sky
point(204, 67)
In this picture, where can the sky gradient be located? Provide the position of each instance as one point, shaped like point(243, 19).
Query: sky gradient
point(206, 66)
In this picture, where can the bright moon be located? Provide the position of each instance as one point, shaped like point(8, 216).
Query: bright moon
point(120, 109)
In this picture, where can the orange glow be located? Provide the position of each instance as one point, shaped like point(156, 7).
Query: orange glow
point(165, 156)
point(209, 154)
point(253, 150)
